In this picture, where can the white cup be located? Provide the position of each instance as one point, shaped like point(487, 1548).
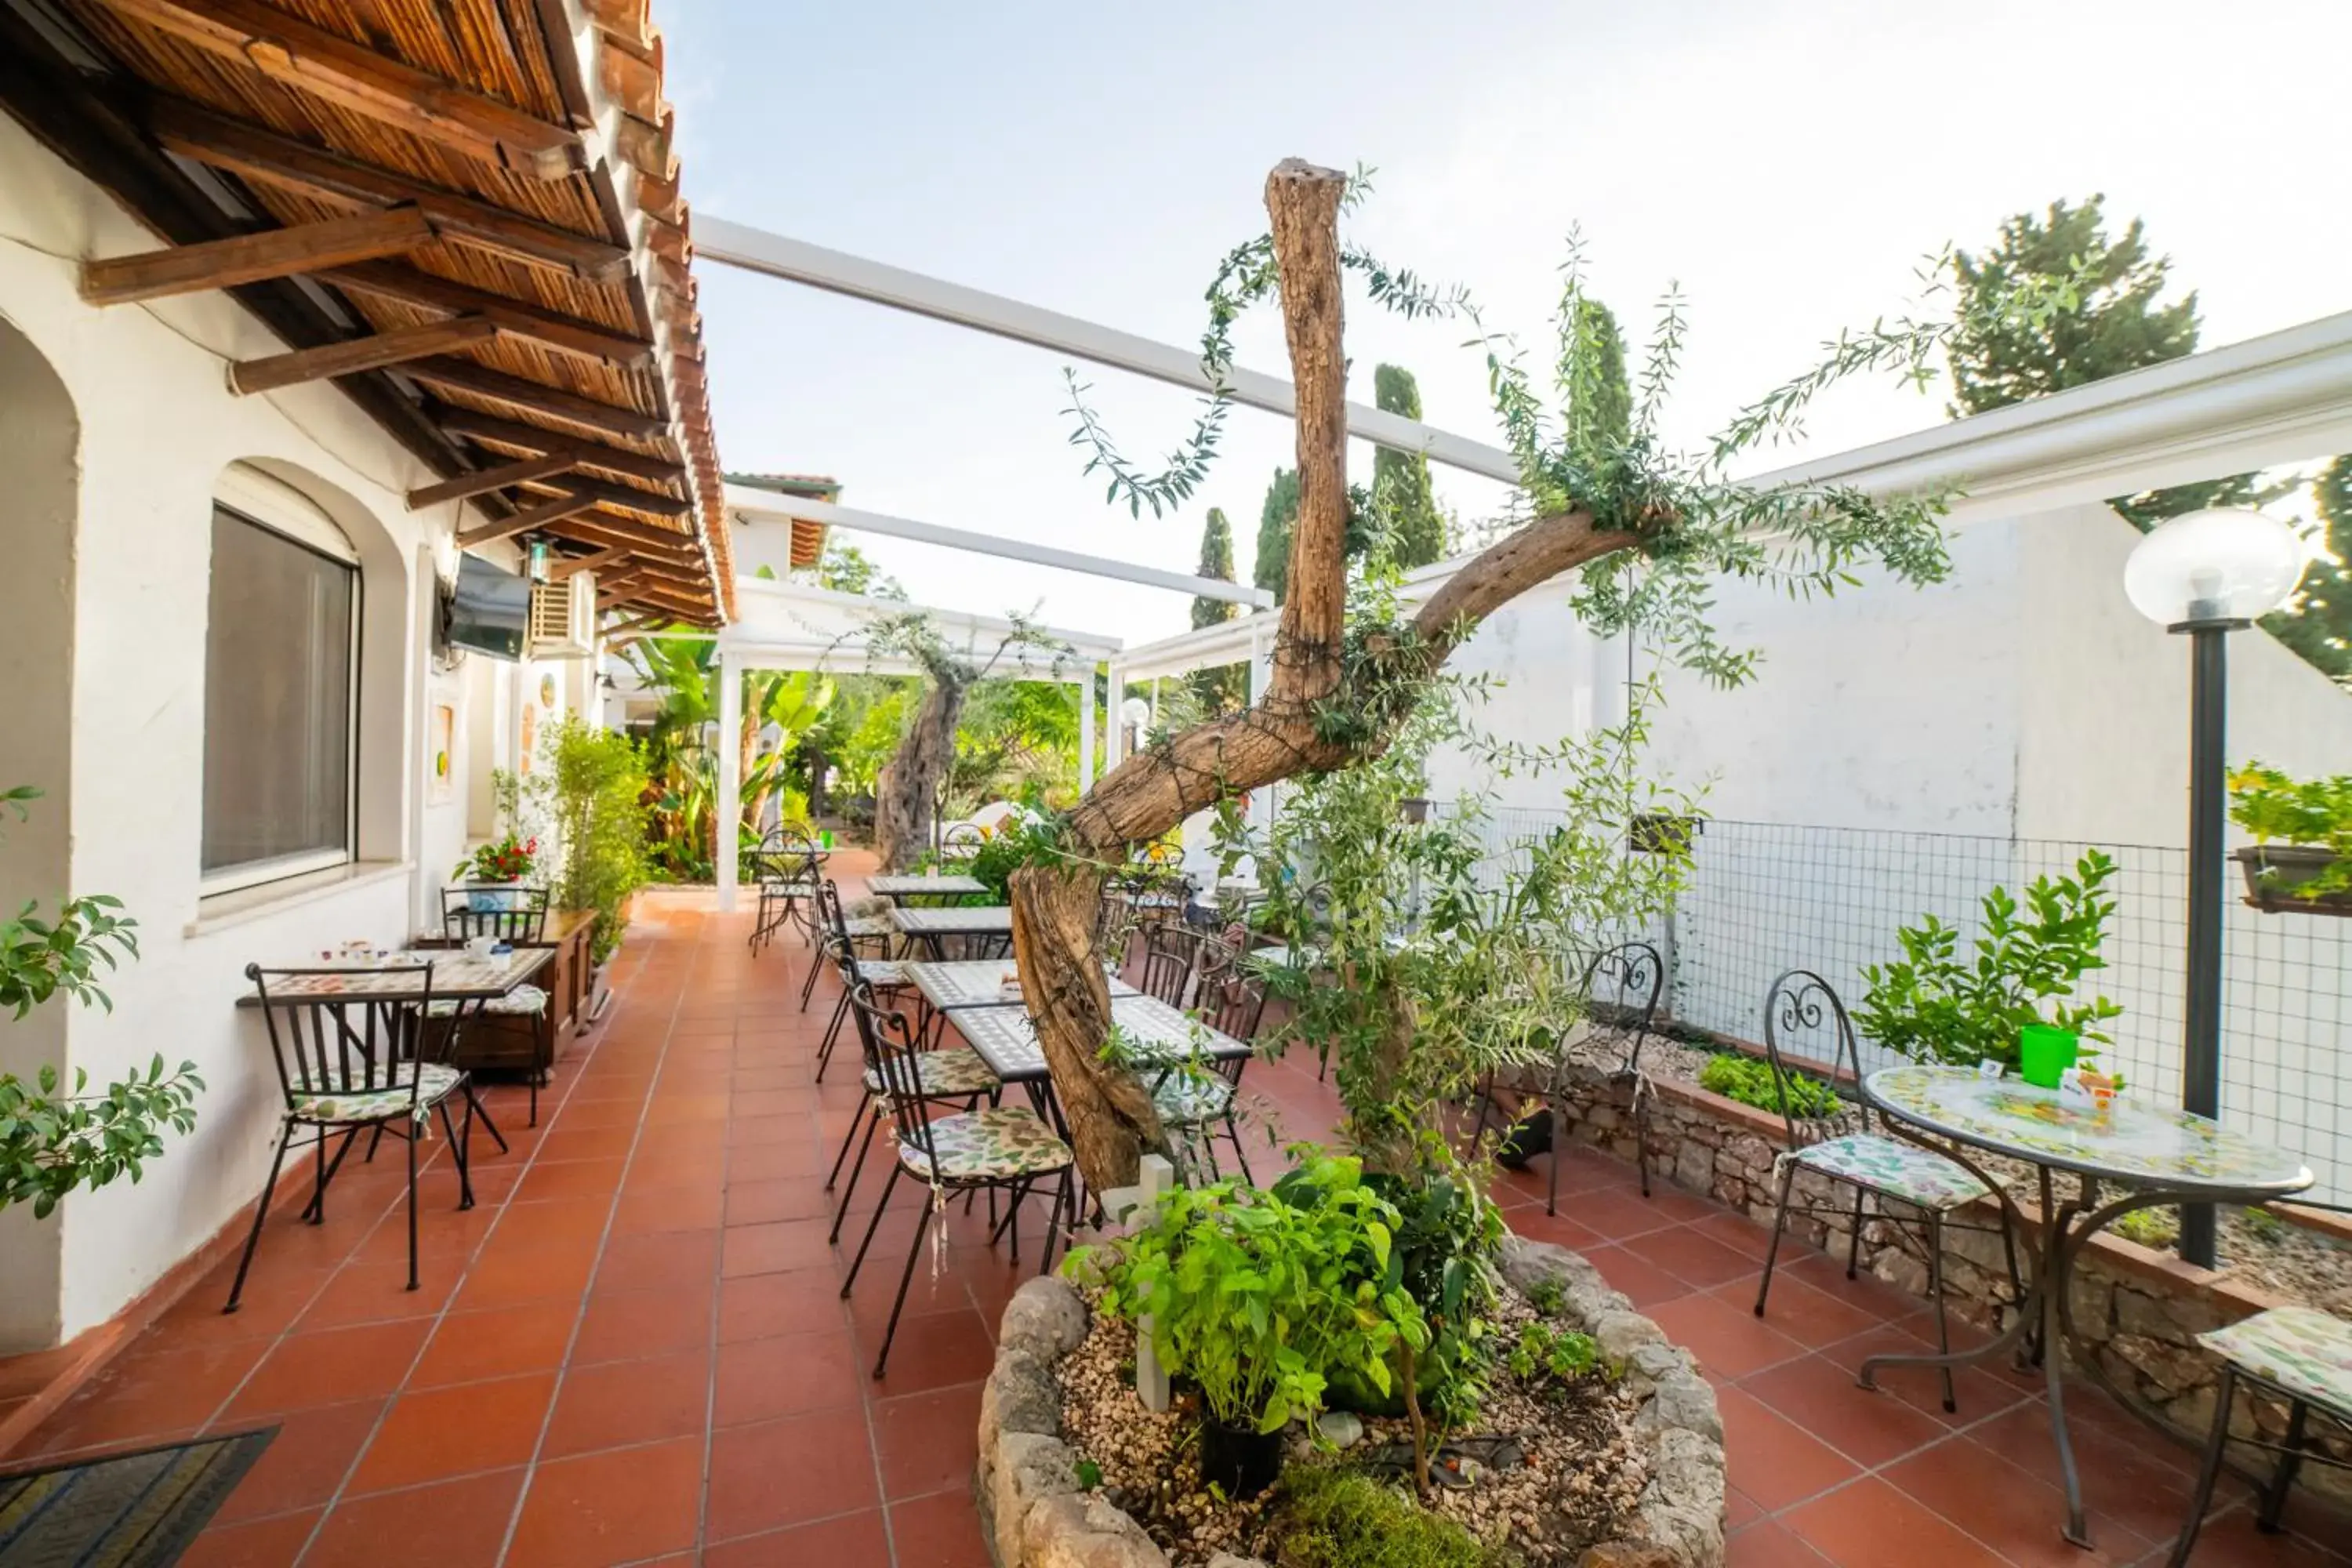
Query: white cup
point(480, 946)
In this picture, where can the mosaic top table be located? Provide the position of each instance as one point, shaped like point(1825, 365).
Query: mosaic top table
point(2160, 1155)
point(456, 976)
point(896, 888)
point(1008, 1044)
point(951, 987)
point(932, 927)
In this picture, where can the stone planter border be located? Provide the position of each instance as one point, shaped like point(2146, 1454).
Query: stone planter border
point(1033, 1515)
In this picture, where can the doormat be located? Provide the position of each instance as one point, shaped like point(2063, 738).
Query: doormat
point(125, 1511)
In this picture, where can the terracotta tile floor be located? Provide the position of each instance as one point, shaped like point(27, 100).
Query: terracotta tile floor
point(635, 1352)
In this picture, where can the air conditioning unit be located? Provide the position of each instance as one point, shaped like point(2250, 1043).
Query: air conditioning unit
point(563, 618)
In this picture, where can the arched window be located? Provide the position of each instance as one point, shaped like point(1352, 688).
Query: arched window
point(282, 686)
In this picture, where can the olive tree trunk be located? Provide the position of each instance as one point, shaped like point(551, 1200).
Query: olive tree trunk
point(1110, 1117)
point(907, 789)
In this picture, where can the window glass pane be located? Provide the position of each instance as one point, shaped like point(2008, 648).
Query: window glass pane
point(278, 700)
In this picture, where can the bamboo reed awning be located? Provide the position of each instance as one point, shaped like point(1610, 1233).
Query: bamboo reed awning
point(465, 212)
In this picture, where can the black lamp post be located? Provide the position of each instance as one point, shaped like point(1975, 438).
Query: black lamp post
point(2204, 575)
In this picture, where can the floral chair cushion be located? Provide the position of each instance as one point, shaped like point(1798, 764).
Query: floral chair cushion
point(869, 926)
point(2306, 1352)
point(1889, 1165)
point(1188, 1100)
point(523, 1001)
point(944, 1075)
point(377, 1104)
point(1002, 1142)
point(882, 970)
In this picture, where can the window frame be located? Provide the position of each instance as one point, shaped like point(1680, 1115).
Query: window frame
point(301, 534)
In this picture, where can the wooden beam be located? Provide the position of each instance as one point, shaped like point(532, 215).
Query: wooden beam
point(565, 334)
point(484, 480)
point(603, 528)
point(555, 402)
point(564, 571)
point(343, 71)
point(513, 433)
point(632, 628)
point(611, 495)
point(252, 153)
point(248, 376)
point(251, 257)
point(615, 592)
point(521, 522)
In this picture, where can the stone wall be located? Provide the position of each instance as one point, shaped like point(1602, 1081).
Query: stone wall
point(2137, 1310)
point(1033, 1513)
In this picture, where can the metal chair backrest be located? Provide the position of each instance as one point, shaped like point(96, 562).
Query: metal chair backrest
point(961, 842)
point(342, 1031)
point(1802, 1010)
point(786, 854)
point(832, 929)
point(1115, 924)
point(1622, 988)
point(1169, 952)
point(891, 1053)
point(1235, 1005)
point(508, 914)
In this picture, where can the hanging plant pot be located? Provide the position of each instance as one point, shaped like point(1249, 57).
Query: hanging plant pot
point(1241, 1459)
point(2277, 874)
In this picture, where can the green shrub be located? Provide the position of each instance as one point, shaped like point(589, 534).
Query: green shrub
point(1329, 1518)
point(1749, 1081)
point(1933, 1005)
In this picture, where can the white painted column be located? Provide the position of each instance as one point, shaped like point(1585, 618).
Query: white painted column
point(730, 773)
point(1087, 729)
point(1115, 743)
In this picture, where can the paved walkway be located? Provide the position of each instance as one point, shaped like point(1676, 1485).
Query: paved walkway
point(635, 1352)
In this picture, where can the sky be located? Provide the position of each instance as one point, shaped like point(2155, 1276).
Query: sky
point(1788, 163)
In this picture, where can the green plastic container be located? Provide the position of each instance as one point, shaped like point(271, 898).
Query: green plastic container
point(2044, 1053)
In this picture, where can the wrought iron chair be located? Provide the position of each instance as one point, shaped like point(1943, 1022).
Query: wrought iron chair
point(960, 843)
point(1198, 1100)
point(352, 1048)
point(2297, 1355)
point(1622, 988)
point(1004, 1148)
point(1841, 1147)
point(788, 867)
point(867, 930)
point(510, 1031)
point(951, 1076)
point(1170, 954)
point(836, 943)
point(1116, 919)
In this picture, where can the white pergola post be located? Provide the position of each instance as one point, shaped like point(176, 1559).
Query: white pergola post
point(1261, 676)
point(1087, 729)
point(731, 772)
point(1115, 743)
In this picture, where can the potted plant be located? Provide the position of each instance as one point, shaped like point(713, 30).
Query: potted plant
point(2014, 1001)
point(50, 1143)
point(2300, 857)
point(492, 871)
point(596, 784)
point(1257, 1296)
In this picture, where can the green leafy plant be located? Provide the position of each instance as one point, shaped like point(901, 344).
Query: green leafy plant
point(1749, 1081)
point(1932, 1005)
point(50, 1143)
point(1258, 1294)
point(1564, 1354)
point(596, 781)
point(1549, 1296)
point(2271, 806)
point(1325, 1517)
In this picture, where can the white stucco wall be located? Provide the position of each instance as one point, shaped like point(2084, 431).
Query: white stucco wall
point(157, 428)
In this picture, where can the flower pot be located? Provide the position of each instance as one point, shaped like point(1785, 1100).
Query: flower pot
point(2275, 874)
point(491, 898)
point(2043, 1053)
point(1241, 1460)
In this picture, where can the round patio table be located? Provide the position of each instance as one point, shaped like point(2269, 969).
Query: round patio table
point(2158, 1154)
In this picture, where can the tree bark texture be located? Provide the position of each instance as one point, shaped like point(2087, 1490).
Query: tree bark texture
point(909, 788)
point(1110, 1120)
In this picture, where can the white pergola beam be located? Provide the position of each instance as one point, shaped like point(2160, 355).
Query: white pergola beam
point(745, 501)
point(797, 261)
